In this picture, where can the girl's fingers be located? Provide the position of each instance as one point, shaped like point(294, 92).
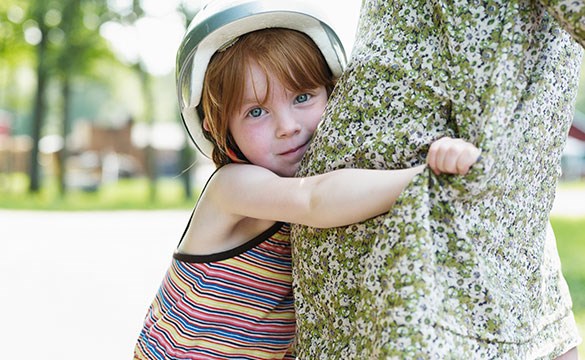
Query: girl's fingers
point(452, 156)
point(432, 157)
point(467, 158)
point(451, 153)
point(435, 157)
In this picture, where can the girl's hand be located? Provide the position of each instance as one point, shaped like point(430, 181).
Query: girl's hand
point(452, 156)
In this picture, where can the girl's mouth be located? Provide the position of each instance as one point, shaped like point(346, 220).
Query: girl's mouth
point(295, 150)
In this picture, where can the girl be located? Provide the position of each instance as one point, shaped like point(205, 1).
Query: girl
point(228, 291)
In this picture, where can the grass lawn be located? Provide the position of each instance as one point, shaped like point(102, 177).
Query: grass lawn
point(570, 235)
point(126, 194)
point(578, 185)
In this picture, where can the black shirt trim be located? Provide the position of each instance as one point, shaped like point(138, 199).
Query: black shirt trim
point(228, 254)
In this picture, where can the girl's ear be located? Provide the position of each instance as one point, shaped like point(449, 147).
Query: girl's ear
point(205, 126)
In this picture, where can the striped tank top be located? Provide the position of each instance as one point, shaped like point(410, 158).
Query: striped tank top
point(236, 304)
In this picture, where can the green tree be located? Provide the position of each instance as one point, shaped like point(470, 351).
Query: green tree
point(66, 42)
point(148, 98)
point(14, 50)
point(79, 48)
point(60, 41)
point(188, 10)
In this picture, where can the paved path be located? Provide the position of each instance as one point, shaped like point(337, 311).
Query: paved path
point(77, 285)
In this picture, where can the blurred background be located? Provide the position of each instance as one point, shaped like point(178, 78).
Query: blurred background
point(89, 121)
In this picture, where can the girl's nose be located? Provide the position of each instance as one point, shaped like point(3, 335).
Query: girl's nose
point(287, 125)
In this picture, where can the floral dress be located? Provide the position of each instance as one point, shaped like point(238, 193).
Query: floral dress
point(461, 266)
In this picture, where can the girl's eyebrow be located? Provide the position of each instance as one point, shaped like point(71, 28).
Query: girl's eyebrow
point(252, 98)
point(249, 101)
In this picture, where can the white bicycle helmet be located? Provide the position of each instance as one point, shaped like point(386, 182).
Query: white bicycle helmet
point(221, 21)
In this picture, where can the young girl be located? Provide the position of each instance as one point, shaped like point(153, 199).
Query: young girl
point(228, 291)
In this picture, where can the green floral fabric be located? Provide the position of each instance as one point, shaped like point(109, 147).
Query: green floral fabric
point(461, 266)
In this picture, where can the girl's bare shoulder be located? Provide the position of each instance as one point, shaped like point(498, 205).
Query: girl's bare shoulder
point(212, 229)
point(234, 179)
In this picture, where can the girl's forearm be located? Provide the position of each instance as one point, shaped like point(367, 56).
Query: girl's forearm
point(348, 196)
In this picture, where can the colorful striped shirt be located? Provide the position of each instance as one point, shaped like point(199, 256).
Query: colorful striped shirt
point(237, 304)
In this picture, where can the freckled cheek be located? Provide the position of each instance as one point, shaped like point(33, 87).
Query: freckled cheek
point(254, 140)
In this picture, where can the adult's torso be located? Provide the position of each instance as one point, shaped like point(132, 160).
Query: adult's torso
point(472, 256)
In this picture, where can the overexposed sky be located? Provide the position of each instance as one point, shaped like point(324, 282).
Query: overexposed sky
point(154, 39)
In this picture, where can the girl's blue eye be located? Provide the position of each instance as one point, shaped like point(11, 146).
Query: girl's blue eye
point(302, 98)
point(256, 112)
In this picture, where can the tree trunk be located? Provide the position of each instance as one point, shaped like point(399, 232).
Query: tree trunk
point(63, 154)
point(188, 169)
point(39, 113)
point(150, 152)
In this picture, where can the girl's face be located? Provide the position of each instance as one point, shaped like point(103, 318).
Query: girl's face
point(276, 135)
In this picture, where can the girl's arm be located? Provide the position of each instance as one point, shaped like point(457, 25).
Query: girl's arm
point(337, 198)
